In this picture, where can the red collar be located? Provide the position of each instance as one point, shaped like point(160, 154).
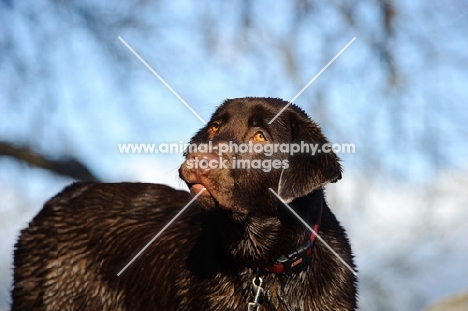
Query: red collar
point(301, 255)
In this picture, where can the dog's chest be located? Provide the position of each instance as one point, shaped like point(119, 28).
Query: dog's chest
point(235, 292)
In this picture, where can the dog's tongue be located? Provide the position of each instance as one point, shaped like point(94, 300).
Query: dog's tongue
point(196, 188)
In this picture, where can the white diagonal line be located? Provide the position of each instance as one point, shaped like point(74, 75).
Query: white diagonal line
point(162, 80)
point(160, 232)
point(313, 79)
point(318, 236)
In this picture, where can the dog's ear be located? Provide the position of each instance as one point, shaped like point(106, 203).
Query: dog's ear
point(307, 171)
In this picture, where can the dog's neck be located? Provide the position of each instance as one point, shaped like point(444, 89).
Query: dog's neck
point(258, 242)
point(302, 255)
point(281, 244)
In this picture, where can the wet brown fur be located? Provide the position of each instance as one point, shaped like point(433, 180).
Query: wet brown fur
point(69, 256)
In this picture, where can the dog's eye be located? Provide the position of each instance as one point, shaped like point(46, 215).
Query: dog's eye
point(214, 128)
point(260, 137)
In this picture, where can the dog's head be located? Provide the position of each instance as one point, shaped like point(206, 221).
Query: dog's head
point(248, 155)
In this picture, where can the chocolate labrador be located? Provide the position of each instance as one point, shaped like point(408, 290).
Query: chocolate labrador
point(259, 235)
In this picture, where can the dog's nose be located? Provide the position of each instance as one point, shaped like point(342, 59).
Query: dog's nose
point(202, 163)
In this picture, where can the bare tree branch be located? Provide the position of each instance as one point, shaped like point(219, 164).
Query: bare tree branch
point(67, 166)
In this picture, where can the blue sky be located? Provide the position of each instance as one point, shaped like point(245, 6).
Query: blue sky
point(90, 107)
